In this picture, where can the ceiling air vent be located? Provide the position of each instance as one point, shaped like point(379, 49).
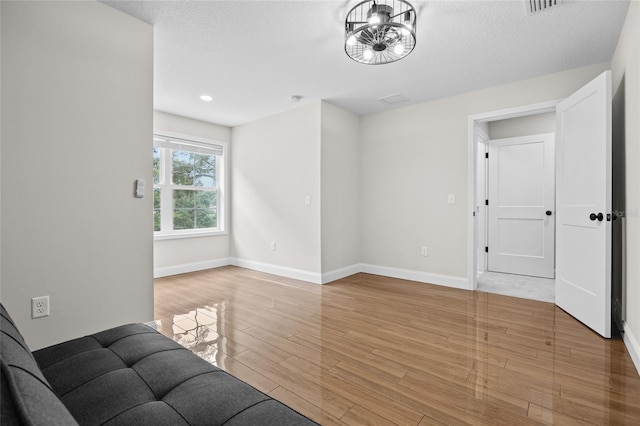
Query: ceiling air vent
point(534, 6)
point(394, 99)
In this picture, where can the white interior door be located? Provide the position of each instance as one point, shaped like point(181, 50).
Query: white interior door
point(521, 205)
point(583, 264)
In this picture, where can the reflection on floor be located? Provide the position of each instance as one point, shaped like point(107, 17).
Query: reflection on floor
point(533, 288)
point(375, 350)
point(197, 330)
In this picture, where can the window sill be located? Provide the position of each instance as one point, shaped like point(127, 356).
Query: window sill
point(188, 234)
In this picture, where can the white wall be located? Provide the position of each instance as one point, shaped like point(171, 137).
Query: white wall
point(77, 103)
point(523, 126)
point(190, 254)
point(413, 157)
point(0, 158)
point(275, 165)
point(626, 62)
point(340, 173)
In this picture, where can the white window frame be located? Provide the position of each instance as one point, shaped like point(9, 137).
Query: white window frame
point(166, 186)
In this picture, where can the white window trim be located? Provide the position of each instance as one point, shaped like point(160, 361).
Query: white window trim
point(223, 190)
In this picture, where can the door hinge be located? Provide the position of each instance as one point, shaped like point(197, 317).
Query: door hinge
point(486, 202)
point(486, 155)
point(486, 249)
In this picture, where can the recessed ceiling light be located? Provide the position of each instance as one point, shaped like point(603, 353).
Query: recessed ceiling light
point(206, 98)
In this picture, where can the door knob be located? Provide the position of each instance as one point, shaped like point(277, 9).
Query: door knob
point(548, 213)
point(598, 216)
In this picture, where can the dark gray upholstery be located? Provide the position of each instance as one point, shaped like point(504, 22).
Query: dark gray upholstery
point(27, 397)
point(128, 375)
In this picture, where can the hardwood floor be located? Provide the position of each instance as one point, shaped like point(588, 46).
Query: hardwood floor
point(374, 350)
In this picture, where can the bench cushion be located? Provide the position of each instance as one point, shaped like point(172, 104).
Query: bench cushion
point(27, 396)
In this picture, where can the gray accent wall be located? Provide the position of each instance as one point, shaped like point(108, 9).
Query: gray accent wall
point(77, 120)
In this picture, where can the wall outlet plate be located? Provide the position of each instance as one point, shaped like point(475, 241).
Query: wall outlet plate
point(40, 307)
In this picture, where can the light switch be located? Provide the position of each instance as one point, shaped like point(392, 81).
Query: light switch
point(139, 188)
point(452, 198)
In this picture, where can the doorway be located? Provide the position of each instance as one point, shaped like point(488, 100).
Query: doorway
point(583, 200)
point(516, 180)
point(511, 129)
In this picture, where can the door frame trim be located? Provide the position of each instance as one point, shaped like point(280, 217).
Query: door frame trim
point(472, 123)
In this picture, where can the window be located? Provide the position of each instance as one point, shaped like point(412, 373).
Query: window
point(188, 194)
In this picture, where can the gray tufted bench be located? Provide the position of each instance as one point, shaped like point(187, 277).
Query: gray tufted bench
point(128, 375)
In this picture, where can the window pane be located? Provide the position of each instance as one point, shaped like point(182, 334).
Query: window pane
point(183, 199)
point(183, 209)
point(156, 165)
point(182, 162)
point(183, 219)
point(206, 218)
point(193, 169)
point(156, 209)
point(204, 170)
point(206, 199)
point(194, 209)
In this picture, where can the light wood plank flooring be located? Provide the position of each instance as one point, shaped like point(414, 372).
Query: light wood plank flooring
point(374, 350)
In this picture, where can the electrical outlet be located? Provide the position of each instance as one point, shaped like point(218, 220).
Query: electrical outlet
point(273, 246)
point(40, 307)
point(423, 251)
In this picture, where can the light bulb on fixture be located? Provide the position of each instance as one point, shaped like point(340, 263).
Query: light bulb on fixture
point(367, 54)
point(398, 49)
point(407, 19)
point(351, 40)
point(374, 20)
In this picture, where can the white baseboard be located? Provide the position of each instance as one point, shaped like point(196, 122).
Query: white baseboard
point(327, 277)
point(315, 277)
point(633, 346)
point(424, 277)
point(337, 274)
point(283, 271)
point(190, 267)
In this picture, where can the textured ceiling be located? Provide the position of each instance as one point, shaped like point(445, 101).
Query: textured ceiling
point(252, 56)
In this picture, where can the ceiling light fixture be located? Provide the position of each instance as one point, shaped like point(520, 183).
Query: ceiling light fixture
point(206, 98)
point(380, 32)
